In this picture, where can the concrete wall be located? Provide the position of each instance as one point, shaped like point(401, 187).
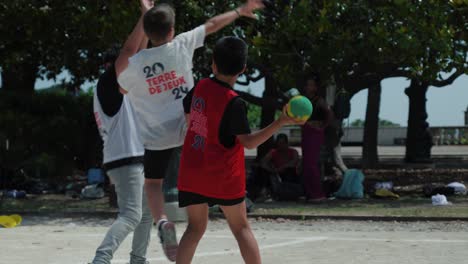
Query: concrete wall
point(386, 136)
point(390, 136)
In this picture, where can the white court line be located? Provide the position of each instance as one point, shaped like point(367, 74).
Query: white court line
point(305, 240)
point(61, 235)
point(400, 240)
point(236, 251)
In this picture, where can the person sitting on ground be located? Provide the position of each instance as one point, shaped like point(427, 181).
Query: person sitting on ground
point(283, 160)
point(282, 166)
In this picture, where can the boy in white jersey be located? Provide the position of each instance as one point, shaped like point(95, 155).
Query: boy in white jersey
point(157, 80)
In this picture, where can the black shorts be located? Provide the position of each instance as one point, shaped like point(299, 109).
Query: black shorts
point(158, 163)
point(189, 198)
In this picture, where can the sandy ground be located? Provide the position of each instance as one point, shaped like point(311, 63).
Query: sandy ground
point(43, 240)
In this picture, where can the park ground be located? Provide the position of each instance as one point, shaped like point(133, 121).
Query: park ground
point(73, 240)
point(413, 207)
point(59, 229)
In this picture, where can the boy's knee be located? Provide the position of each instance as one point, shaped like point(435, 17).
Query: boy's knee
point(196, 230)
point(240, 229)
point(132, 218)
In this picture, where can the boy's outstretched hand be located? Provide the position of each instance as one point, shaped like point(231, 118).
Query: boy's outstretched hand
point(248, 8)
point(146, 5)
point(287, 120)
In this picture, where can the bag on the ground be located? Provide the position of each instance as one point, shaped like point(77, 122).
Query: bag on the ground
point(95, 175)
point(459, 188)
point(93, 191)
point(352, 187)
point(439, 200)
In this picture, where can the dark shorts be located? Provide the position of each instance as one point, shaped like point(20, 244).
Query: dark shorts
point(158, 163)
point(189, 198)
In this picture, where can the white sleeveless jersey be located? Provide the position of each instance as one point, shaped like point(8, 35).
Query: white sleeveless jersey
point(119, 132)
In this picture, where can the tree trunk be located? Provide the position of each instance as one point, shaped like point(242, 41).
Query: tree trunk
point(268, 113)
point(333, 136)
point(19, 77)
point(337, 157)
point(418, 137)
point(371, 127)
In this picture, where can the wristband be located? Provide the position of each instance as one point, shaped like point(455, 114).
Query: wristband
point(237, 12)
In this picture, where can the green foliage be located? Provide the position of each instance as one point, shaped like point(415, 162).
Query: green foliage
point(254, 114)
point(357, 42)
point(347, 40)
point(55, 35)
point(387, 123)
point(48, 132)
point(382, 123)
point(357, 123)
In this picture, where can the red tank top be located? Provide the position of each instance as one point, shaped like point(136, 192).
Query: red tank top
point(206, 166)
point(279, 160)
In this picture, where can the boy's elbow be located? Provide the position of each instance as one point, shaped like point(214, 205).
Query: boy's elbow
point(211, 26)
point(249, 146)
point(245, 142)
point(123, 91)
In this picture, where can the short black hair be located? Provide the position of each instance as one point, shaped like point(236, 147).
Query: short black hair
point(281, 137)
point(159, 21)
point(111, 54)
point(230, 55)
point(311, 76)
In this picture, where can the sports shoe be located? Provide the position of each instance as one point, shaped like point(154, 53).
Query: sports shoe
point(167, 235)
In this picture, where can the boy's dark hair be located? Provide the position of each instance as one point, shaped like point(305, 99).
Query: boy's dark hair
point(312, 76)
point(110, 55)
point(281, 137)
point(230, 55)
point(159, 21)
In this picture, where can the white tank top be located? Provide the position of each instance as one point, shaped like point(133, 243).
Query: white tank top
point(119, 132)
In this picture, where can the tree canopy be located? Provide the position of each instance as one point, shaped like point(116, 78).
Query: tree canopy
point(360, 42)
point(354, 42)
point(42, 38)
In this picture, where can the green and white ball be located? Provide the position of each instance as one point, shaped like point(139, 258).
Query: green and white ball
point(300, 108)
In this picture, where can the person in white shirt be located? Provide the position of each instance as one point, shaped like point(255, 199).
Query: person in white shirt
point(156, 80)
point(123, 162)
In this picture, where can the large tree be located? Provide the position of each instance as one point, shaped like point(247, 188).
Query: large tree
point(360, 43)
point(443, 51)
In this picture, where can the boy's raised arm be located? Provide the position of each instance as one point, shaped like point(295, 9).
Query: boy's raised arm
point(220, 21)
point(134, 41)
point(257, 138)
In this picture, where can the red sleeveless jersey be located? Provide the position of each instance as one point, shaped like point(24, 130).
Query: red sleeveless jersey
point(206, 166)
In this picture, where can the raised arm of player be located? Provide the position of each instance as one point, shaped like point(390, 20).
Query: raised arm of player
point(218, 22)
point(253, 140)
point(135, 41)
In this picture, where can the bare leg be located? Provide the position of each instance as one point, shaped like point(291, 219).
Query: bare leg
point(155, 195)
point(197, 222)
point(236, 216)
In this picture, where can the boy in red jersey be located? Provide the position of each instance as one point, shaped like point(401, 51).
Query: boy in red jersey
point(212, 168)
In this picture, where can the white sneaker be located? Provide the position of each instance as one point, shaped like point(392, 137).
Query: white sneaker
point(168, 237)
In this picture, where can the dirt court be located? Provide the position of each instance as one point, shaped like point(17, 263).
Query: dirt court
point(45, 240)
